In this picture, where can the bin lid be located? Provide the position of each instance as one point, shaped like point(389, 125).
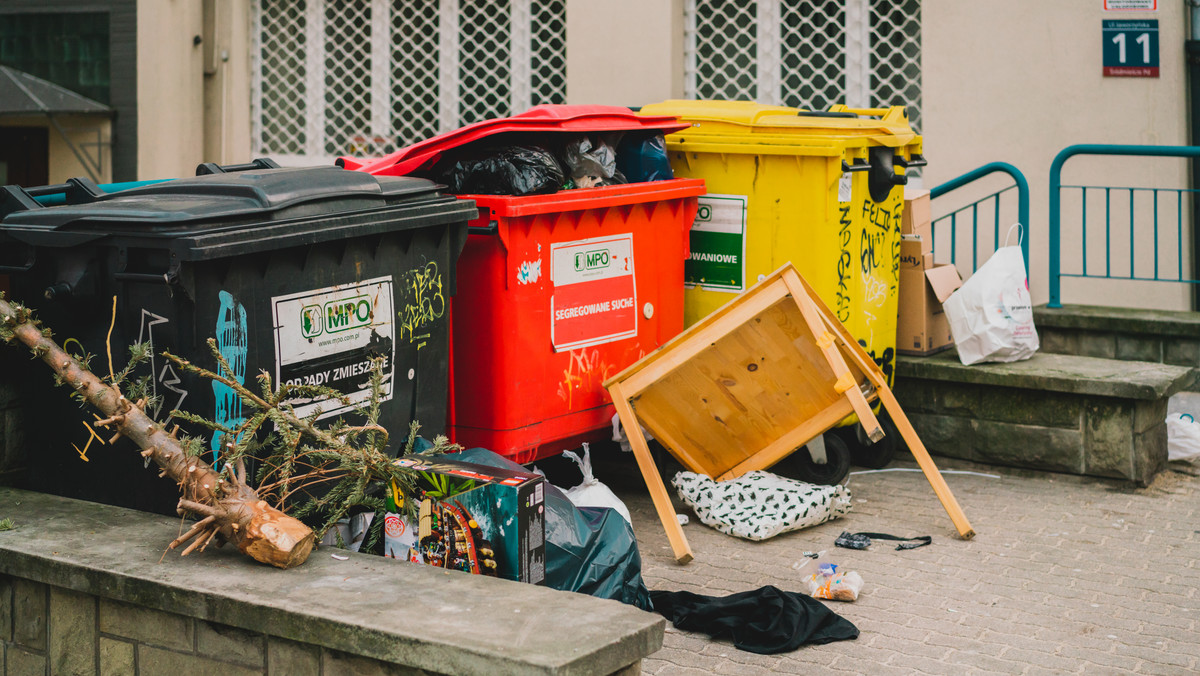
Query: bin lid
point(271, 208)
point(539, 119)
point(757, 123)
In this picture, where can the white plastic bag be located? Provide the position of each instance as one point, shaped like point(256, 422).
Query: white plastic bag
point(1183, 437)
point(760, 505)
point(593, 493)
point(991, 314)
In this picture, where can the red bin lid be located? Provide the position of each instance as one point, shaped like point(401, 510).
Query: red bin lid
point(544, 118)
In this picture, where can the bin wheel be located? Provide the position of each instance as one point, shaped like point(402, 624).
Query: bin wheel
point(881, 453)
point(832, 472)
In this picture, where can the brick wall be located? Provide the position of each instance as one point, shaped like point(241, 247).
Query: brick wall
point(50, 630)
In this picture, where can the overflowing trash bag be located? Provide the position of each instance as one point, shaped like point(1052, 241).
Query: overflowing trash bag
point(642, 157)
point(590, 161)
point(505, 170)
point(591, 550)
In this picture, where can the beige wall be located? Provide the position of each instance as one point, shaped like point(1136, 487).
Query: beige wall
point(1020, 80)
point(84, 132)
point(227, 82)
point(170, 88)
point(624, 52)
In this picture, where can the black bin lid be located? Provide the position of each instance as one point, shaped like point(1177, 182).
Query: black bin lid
point(226, 214)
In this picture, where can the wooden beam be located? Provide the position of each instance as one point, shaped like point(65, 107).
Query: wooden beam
point(654, 482)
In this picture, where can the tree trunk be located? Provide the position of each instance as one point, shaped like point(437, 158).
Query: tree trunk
point(231, 510)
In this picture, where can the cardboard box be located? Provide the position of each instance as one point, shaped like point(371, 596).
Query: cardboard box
point(509, 508)
point(922, 327)
point(917, 212)
point(914, 252)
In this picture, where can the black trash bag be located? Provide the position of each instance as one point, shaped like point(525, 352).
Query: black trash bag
point(644, 158)
point(506, 170)
point(590, 161)
point(590, 550)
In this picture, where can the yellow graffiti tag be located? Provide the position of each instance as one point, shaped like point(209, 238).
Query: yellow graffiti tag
point(424, 303)
point(92, 436)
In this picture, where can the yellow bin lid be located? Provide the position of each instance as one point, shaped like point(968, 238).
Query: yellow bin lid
point(755, 123)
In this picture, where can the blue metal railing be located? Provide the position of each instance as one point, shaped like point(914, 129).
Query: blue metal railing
point(1055, 215)
point(1019, 184)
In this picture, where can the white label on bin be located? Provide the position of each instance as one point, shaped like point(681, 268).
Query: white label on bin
point(718, 245)
point(329, 337)
point(595, 292)
point(845, 184)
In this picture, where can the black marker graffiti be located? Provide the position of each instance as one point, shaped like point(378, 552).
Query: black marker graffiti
point(843, 266)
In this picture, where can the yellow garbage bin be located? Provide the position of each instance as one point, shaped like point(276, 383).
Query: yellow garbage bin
point(821, 189)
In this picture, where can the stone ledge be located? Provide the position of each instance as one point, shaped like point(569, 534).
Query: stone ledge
point(1121, 320)
point(1057, 373)
point(440, 621)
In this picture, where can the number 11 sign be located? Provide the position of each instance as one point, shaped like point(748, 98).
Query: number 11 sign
point(1131, 48)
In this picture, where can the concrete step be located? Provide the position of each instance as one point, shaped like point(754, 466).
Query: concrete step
point(1059, 412)
point(1169, 337)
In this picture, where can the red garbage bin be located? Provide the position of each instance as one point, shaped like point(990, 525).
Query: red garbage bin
point(557, 292)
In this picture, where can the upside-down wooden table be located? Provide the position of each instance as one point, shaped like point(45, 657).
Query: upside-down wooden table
point(750, 384)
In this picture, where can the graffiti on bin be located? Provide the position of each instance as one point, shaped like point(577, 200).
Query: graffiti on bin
point(843, 266)
point(529, 272)
point(585, 370)
point(422, 302)
point(233, 340)
point(166, 376)
point(886, 361)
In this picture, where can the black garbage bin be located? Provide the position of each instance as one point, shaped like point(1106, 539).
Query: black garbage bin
point(306, 274)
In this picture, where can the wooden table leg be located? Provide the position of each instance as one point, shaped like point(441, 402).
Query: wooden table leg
point(654, 482)
point(927, 466)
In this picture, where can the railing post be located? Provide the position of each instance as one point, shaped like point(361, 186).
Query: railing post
point(1055, 206)
point(1055, 226)
point(1022, 195)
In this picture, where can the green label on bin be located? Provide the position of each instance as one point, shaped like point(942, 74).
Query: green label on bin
point(718, 243)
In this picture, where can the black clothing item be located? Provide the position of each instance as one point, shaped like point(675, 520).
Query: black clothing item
point(765, 621)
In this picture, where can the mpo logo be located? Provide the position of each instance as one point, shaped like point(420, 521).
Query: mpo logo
point(335, 316)
point(704, 213)
point(591, 260)
point(311, 322)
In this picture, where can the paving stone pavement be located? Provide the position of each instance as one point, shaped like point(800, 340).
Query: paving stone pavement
point(1066, 575)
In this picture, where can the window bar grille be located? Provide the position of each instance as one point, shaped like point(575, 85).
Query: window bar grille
point(858, 54)
point(381, 73)
point(315, 90)
point(448, 65)
point(689, 49)
point(521, 32)
point(770, 52)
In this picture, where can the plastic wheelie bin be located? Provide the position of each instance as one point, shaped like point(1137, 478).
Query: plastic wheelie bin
point(557, 292)
point(305, 274)
point(821, 189)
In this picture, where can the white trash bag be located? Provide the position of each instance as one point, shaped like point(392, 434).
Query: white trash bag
point(593, 493)
point(991, 314)
point(1183, 438)
point(760, 505)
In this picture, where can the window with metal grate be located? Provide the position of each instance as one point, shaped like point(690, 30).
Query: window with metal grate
point(805, 53)
point(366, 77)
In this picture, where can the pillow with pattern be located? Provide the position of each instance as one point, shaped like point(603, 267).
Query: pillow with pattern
point(760, 505)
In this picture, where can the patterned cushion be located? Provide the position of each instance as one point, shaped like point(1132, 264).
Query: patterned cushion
point(759, 505)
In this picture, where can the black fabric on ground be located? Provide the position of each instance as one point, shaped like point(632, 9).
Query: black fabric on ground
point(765, 621)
